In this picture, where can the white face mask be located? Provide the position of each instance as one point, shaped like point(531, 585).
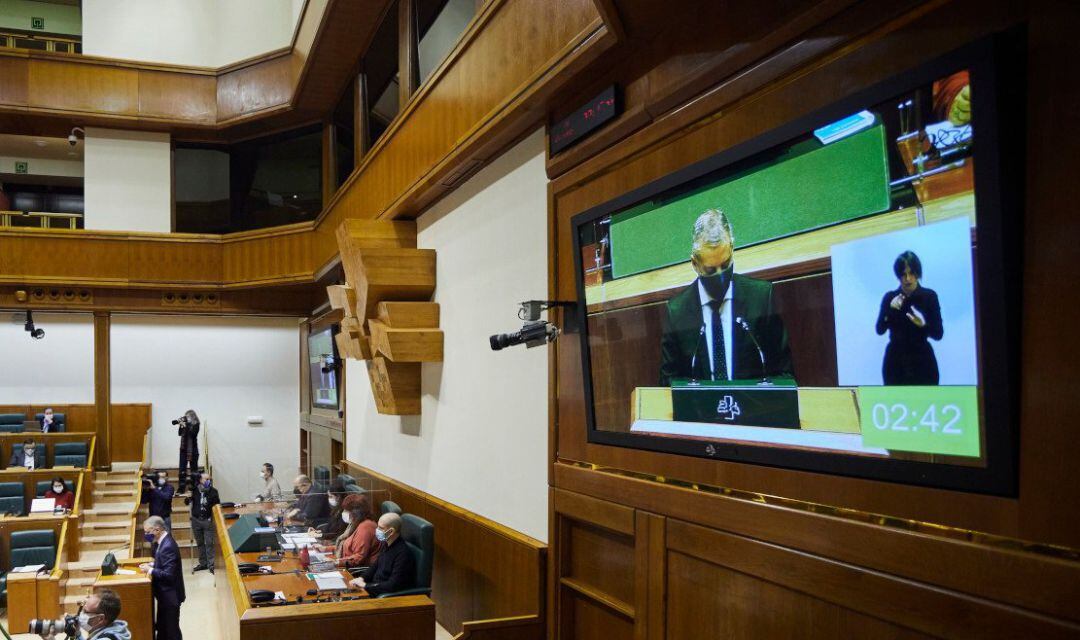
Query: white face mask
point(84, 621)
point(333, 502)
point(161, 482)
point(346, 516)
point(58, 488)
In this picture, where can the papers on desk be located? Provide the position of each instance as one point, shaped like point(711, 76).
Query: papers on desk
point(330, 581)
point(297, 540)
point(30, 568)
point(43, 505)
point(126, 572)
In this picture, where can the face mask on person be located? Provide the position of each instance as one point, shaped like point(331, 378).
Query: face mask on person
point(206, 484)
point(296, 491)
point(346, 517)
point(333, 501)
point(262, 474)
point(716, 285)
point(28, 451)
point(84, 620)
point(149, 537)
point(58, 488)
point(382, 535)
point(161, 482)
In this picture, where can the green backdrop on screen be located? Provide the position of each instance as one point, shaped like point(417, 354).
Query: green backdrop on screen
point(807, 187)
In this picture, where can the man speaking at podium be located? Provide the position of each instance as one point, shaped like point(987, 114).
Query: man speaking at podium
point(713, 328)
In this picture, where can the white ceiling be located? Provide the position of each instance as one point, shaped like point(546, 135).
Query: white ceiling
point(29, 148)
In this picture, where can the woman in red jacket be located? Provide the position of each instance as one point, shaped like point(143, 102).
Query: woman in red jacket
point(59, 492)
point(357, 547)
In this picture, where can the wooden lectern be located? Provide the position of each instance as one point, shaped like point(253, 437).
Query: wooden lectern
point(136, 599)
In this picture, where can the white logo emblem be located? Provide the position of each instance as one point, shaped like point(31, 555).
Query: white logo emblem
point(728, 408)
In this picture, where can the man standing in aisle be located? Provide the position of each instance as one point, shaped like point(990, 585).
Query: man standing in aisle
point(166, 579)
point(202, 502)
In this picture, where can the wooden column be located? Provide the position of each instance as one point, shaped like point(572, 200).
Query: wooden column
point(362, 138)
point(408, 52)
point(329, 162)
point(102, 388)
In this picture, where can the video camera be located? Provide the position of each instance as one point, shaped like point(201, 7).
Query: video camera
point(68, 625)
point(181, 424)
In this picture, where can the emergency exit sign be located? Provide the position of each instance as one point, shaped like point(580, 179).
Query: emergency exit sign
point(37, 23)
point(22, 166)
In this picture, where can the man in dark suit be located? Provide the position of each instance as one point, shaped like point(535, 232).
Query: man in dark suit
point(166, 579)
point(27, 455)
point(713, 328)
point(312, 507)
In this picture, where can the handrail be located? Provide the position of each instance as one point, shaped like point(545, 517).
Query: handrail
point(9, 36)
point(57, 572)
point(79, 495)
point(42, 217)
point(134, 515)
point(509, 628)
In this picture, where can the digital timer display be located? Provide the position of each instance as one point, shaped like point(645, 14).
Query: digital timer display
point(943, 420)
point(583, 121)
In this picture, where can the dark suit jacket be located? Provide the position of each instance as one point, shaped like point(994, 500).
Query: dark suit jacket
point(53, 427)
point(752, 300)
point(17, 458)
point(167, 578)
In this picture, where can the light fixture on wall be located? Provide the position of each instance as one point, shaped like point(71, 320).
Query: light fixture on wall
point(34, 332)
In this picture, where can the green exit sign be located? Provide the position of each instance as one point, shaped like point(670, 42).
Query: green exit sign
point(22, 166)
point(37, 23)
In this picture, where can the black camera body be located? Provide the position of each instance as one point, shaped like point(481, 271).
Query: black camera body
point(181, 423)
point(68, 625)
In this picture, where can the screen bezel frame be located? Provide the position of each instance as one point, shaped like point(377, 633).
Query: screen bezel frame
point(333, 329)
point(991, 62)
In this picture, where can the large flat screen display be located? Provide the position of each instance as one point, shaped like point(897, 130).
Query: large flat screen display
point(836, 295)
point(323, 368)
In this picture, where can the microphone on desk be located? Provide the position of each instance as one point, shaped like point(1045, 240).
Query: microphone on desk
point(739, 320)
point(693, 359)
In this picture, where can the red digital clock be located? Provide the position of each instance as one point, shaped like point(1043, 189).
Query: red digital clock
point(583, 121)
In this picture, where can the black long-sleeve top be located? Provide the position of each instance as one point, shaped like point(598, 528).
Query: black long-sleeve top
point(395, 570)
point(202, 502)
point(901, 329)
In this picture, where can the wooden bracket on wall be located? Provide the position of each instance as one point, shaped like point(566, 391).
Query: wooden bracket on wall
point(389, 320)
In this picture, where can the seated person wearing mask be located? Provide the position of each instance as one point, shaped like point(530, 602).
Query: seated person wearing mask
point(99, 617)
point(358, 546)
point(59, 492)
point(202, 502)
point(311, 508)
point(159, 495)
point(27, 456)
point(335, 526)
point(395, 569)
point(48, 424)
point(271, 491)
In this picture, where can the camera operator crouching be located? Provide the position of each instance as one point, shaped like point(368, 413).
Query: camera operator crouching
point(98, 617)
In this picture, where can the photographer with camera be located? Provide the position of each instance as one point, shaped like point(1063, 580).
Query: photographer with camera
point(98, 617)
point(187, 427)
point(158, 493)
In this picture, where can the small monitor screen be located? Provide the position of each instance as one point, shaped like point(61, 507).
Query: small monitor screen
point(819, 295)
point(322, 367)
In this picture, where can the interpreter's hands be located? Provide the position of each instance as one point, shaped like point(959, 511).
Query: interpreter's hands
point(916, 318)
point(358, 583)
point(146, 567)
point(897, 301)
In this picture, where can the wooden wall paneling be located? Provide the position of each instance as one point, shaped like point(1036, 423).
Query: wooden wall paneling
point(80, 88)
point(249, 90)
point(127, 426)
point(904, 603)
point(650, 576)
point(102, 389)
point(174, 96)
point(174, 260)
point(483, 570)
point(915, 553)
point(14, 81)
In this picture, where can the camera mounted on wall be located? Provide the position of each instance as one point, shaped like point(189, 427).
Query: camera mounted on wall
point(535, 332)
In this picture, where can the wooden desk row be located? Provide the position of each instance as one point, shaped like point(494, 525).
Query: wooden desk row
point(405, 617)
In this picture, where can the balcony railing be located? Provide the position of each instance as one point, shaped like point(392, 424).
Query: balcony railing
point(41, 220)
point(40, 42)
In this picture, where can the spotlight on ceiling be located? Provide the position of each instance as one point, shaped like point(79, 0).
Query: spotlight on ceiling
point(34, 332)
